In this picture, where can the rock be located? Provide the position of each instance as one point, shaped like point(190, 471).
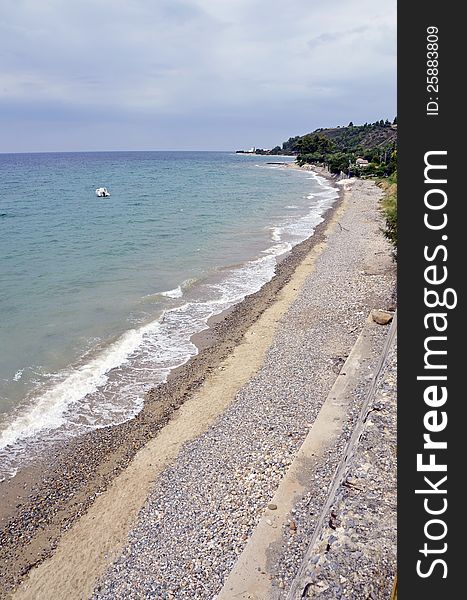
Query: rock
point(382, 317)
point(272, 506)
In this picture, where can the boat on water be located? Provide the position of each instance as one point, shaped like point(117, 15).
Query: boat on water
point(102, 192)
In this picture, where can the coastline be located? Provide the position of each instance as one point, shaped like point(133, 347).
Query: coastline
point(44, 501)
point(167, 281)
point(194, 497)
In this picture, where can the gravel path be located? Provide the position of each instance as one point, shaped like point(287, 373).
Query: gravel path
point(203, 508)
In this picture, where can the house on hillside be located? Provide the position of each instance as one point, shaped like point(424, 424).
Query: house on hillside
point(362, 162)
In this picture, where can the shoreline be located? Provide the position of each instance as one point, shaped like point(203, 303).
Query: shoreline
point(44, 500)
point(173, 524)
point(103, 382)
point(86, 372)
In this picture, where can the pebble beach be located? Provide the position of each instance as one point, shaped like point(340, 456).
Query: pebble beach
point(194, 510)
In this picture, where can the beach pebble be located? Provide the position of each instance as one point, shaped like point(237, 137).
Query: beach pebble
point(382, 317)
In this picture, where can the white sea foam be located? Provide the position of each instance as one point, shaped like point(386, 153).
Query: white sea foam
point(8, 474)
point(47, 410)
point(17, 376)
point(276, 234)
point(175, 293)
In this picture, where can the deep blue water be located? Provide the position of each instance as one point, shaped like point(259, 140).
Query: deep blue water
point(99, 297)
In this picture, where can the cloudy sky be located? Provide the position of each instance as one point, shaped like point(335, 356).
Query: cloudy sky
point(190, 74)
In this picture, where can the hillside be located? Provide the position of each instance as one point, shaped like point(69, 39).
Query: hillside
point(339, 148)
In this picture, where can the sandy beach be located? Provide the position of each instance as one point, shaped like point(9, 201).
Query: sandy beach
point(164, 505)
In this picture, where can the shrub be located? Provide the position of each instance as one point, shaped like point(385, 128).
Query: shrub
point(389, 206)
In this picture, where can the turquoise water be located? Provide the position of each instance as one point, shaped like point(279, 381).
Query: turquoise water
point(99, 297)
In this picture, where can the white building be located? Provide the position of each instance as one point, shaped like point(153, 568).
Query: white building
point(362, 162)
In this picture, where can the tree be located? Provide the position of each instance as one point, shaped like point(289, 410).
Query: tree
point(313, 142)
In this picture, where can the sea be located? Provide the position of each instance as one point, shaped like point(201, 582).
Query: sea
point(100, 297)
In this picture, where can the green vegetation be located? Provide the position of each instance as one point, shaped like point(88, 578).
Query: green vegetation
point(356, 150)
point(389, 205)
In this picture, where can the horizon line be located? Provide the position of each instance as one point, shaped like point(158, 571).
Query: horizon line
point(102, 151)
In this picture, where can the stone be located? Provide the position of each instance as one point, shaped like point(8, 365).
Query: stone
point(272, 506)
point(382, 317)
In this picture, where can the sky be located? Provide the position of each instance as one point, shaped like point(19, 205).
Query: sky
point(80, 75)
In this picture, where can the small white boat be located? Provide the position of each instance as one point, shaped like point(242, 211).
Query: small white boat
point(102, 192)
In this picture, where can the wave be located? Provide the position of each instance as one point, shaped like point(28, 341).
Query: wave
point(47, 410)
point(276, 234)
point(175, 293)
